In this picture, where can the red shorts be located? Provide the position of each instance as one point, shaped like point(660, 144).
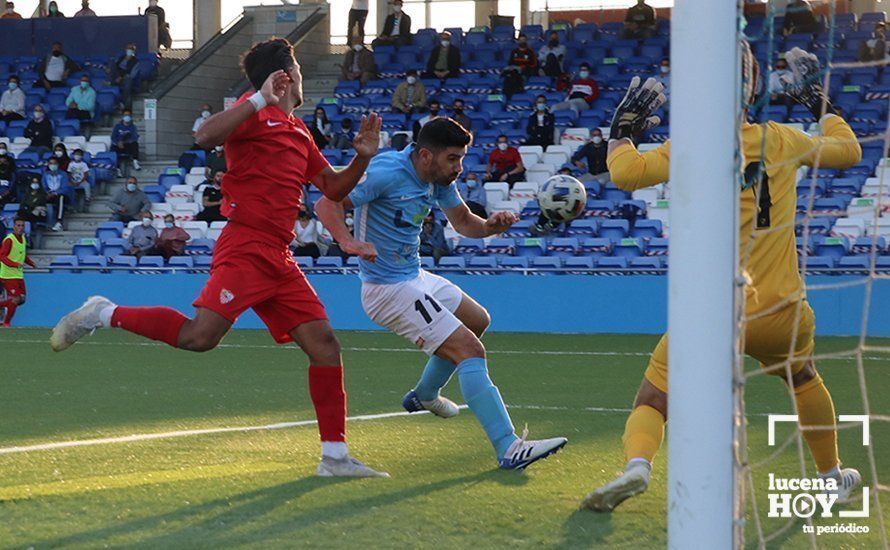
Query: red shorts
point(249, 273)
point(13, 287)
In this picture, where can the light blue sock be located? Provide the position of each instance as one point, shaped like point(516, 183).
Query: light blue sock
point(485, 401)
point(435, 375)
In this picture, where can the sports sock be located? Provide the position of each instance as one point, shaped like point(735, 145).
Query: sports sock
point(10, 306)
point(485, 401)
point(329, 399)
point(435, 375)
point(157, 323)
point(815, 408)
point(643, 433)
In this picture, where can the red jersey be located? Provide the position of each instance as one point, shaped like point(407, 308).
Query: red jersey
point(271, 155)
point(504, 160)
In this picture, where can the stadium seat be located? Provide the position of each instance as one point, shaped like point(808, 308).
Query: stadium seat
point(614, 229)
point(452, 262)
point(611, 263)
point(186, 262)
point(628, 248)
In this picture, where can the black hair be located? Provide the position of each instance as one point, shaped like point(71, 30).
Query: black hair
point(13, 77)
point(503, 136)
point(441, 133)
point(584, 66)
point(541, 96)
point(412, 72)
point(432, 101)
point(264, 58)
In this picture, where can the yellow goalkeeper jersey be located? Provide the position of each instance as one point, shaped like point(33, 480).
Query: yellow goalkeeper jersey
point(770, 260)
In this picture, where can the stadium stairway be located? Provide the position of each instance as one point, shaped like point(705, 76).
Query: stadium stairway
point(319, 82)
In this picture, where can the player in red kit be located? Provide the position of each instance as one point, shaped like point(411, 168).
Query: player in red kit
point(271, 155)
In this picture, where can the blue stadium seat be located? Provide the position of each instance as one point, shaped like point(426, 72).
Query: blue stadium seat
point(647, 263)
point(817, 263)
point(181, 261)
point(547, 262)
point(563, 247)
point(84, 248)
point(614, 229)
point(202, 262)
point(499, 247)
point(520, 229)
point(332, 264)
point(583, 228)
point(109, 230)
point(64, 261)
point(833, 247)
point(612, 263)
point(93, 261)
point(579, 263)
point(452, 262)
point(529, 247)
point(647, 229)
point(305, 262)
point(200, 247)
point(151, 261)
point(854, 263)
point(122, 261)
point(469, 247)
point(482, 262)
point(595, 247)
point(628, 248)
point(864, 245)
point(657, 247)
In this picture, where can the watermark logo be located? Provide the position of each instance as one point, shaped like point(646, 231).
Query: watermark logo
point(814, 497)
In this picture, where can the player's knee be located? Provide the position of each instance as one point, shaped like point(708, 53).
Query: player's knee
point(651, 396)
point(482, 323)
point(20, 300)
point(325, 349)
point(804, 375)
point(199, 342)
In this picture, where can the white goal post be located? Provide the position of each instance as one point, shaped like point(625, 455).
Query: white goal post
point(703, 266)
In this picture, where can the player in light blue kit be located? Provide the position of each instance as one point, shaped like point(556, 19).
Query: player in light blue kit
point(390, 203)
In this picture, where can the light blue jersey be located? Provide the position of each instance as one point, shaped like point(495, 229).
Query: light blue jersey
point(391, 203)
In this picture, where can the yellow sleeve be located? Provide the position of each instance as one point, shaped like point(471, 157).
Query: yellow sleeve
point(837, 147)
point(631, 170)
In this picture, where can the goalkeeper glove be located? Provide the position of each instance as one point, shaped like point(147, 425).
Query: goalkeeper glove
point(804, 82)
point(633, 116)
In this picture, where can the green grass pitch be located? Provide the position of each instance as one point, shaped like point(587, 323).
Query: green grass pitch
point(257, 489)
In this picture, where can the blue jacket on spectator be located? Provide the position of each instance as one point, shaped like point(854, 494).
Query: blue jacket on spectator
point(128, 133)
point(57, 183)
point(475, 193)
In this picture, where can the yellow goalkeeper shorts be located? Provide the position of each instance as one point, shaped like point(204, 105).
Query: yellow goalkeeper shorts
point(767, 339)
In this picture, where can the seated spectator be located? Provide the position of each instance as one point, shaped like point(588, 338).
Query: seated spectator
point(513, 82)
point(875, 48)
point(82, 101)
point(592, 157)
point(410, 95)
point(344, 135)
point(307, 234)
point(457, 113)
point(777, 76)
point(541, 125)
point(33, 206)
point(12, 102)
point(40, 131)
point(121, 74)
point(129, 203)
point(79, 175)
point(216, 159)
point(523, 58)
point(320, 128)
point(583, 91)
point(60, 153)
point(143, 237)
point(211, 199)
point(505, 163)
point(664, 76)
point(444, 60)
point(10, 12)
point(551, 57)
point(396, 28)
point(639, 21)
point(206, 111)
point(53, 10)
point(8, 192)
point(359, 64)
point(58, 193)
point(432, 239)
point(55, 68)
point(85, 10)
point(125, 139)
point(473, 193)
point(164, 38)
point(421, 122)
point(172, 240)
point(799, 18)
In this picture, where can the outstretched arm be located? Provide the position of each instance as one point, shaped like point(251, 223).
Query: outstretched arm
point(337, 184)
point(333, 218)
point(470, 225)
point(632, 170)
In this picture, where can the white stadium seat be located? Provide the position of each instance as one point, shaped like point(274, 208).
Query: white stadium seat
point(179, 194)
point(524, 191)
point(575, 137)
point(194, 179)
point(105, 140)
point(5, 140)
point(557, 158)
point(659, 211)
point(197, 170)
point(559, 149)
point(496, 191)
point(530, 158)
point(185, 212)
point(218, 225)
point(882, 229)
point(22, 141)
point(537, 177)
point(196, 230)
point(649, 195)
point(74, 142)
point(852, 228)
point(531, 149)
point(95, 148)
point(862, 208)
point(506, 206)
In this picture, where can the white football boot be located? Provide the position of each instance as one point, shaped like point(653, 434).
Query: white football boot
point(633, 481)
point(440, 406)
point(848, 480)
point(345, 467)
point(80, 322)
point(522, 453)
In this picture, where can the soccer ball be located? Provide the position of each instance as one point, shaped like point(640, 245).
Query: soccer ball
point(562, 198)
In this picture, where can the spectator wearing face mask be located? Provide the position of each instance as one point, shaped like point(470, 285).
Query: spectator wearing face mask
point(639, 21)
point(551, 57)
point(58, 193)
point(8, 191)
point(33, 205)
point(172, 239)
point(396, 28)
point(457, 113)
point(125, 139)
point(434, 111)
point(308, 233)
point(410, 95)
point(664, 76)
point(79, 175)
point(82, 101)
point(129, 202)
point(320, 128)
point(776, 86)
point(53, 10)
point(874, 48)
point(444, 60)
point(164, 38)
point(591, 157)
point(583, 90)
point(432, 239)
point(206, 111)
point(60, 153)
point(505, 163)
point(40, 131)
point(358, 64)
point(85, 10)
point(10, 12)
point(523, 58)
point(211, 200)
point(12, 102)
point(216, 159)
point(541, 125)
point(344, 135)
point(473, 194)
point(55, 68)
point(121, 74)
point(143, 237)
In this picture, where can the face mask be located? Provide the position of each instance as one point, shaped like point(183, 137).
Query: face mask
point(168, 225)
point(35, 186)
point(397, 9)
point(12, 85)
point(583, 74)
point(412, 79)
point(458, 110)
point(597, 139)
point(434, 112)
point(665, 70)
point(554, 42)
point(472, 183)
point(446, 43)
point(84, 85)
point(38, 115)
point(57, 53)
point(53, 9)
point(357, 47)
point(59, 154)
point(502, 146)
point(131, 187)
point(349, 222)
point(53, 167)
point(541, 106)
point(2, 152)
point(10, 11)
point(205, 113)
point(128, 119)
point(146, 222)
point(131, 53)
point(78, 158)
point(218, 149)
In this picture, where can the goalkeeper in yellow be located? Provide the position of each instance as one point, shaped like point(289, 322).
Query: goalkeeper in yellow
point(779, 319)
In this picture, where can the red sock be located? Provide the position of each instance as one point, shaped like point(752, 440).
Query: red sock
point(158, 323)
point(329, 398)
point(10, 306)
